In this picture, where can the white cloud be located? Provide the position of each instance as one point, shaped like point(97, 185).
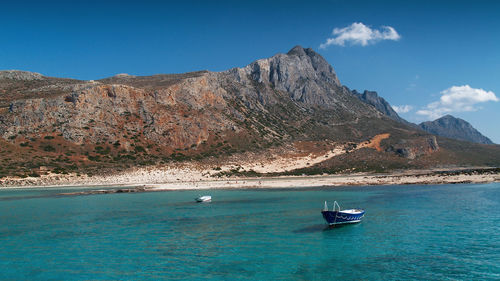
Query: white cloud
point(457, 99)
point(402, 108)
point(360, 34)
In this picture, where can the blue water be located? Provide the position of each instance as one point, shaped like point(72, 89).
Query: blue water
point(446, 232)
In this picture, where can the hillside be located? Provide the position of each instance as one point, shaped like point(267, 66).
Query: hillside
point(288, 104)
point(372, 98)
point(447, 126)
point(455, 128)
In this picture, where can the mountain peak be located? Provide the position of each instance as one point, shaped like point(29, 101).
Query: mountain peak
point(303, 73)
point(448, 117)
point(297, 51)
point(455, 128)
point(301, 52)
point(372, 98)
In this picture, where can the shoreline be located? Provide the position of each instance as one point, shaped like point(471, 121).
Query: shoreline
point(269, 170)
point(114, 184)
point(332, 181)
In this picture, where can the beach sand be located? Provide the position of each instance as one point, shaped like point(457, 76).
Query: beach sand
point(197, 175)
point(177, 178)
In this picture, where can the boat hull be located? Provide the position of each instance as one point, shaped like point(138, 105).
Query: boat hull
point(336, 217)
point(203, 199)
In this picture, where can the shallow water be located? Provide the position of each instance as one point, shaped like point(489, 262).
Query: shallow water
point(445, 232)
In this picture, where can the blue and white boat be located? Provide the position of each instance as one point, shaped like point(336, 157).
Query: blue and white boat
point(337, 216)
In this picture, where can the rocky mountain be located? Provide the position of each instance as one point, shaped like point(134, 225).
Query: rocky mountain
point(268, 97)
point(372, 98)
point(123, 121)
point(455, 128)
point(447, 126)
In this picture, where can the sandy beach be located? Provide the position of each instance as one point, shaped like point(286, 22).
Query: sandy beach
point(186, 177)
point(197, 175)
point(331, 180)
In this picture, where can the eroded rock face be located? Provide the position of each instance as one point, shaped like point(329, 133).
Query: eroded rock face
point(433, 144)
point(414, 148)
point(116, 112)
point(297, 93)
point(372, 98)
point(302, 73)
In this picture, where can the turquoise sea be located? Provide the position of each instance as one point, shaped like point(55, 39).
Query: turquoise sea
point(444, 232)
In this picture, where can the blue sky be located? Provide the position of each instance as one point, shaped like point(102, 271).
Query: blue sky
point(443, 46)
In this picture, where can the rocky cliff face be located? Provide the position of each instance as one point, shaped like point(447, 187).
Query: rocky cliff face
point(414, 148)
point(304, 76)
point(372, 98)
point(301, 73)
point(455, 128)
point(182, 111)
point(96, 113)
point(132, 120)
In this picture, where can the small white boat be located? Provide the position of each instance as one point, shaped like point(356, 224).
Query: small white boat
point(205, 198)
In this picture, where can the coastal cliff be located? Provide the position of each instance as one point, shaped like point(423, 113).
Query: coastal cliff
point(289, 103)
